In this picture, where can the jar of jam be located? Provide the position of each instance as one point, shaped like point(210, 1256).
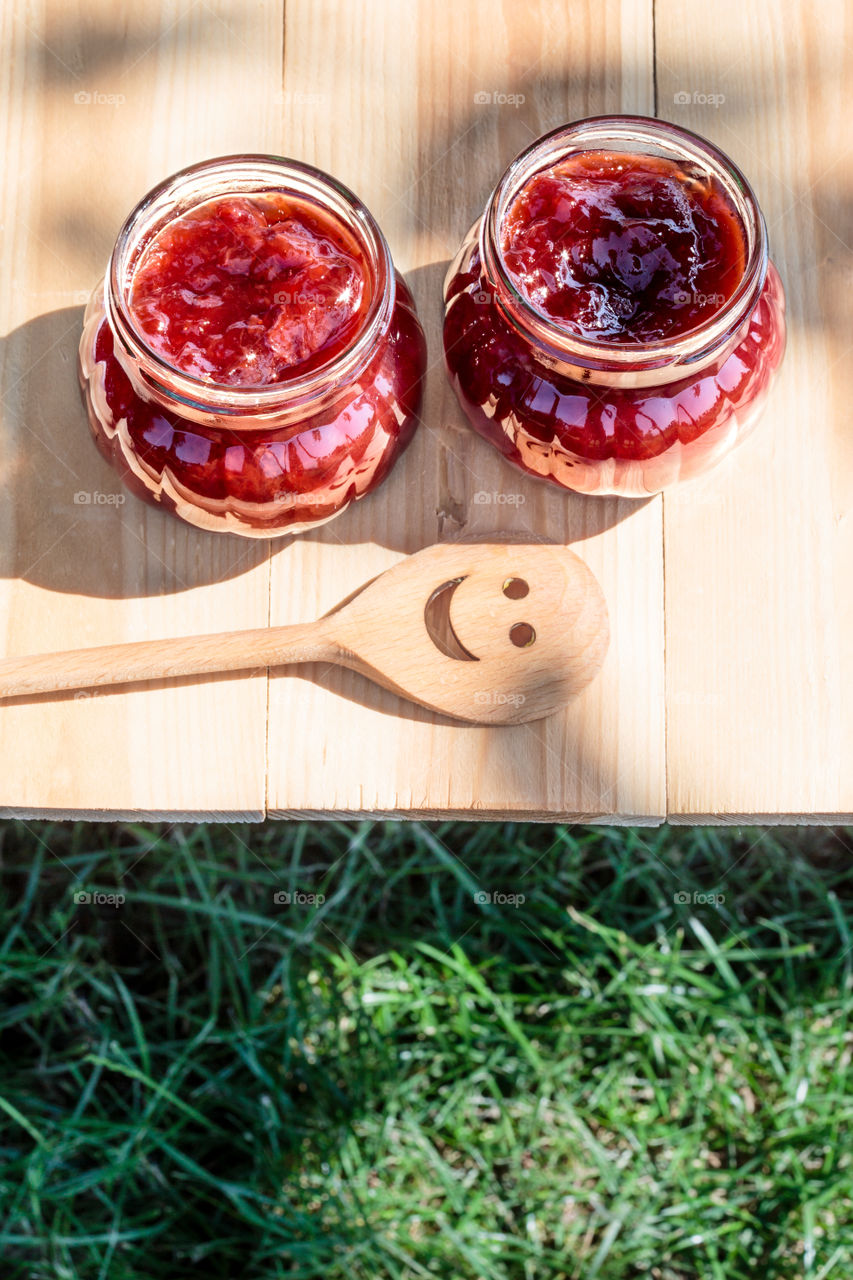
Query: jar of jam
point(252, 361)
point(613, 322)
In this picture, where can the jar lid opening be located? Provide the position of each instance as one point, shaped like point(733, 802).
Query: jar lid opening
point(637, 135)
point(235, 176)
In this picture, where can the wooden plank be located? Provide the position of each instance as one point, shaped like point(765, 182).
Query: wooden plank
point(384, 96)
point(97, 103)
point(759, 555)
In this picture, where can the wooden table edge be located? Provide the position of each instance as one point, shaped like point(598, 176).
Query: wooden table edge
point(760, 819)
point(469, 815)
point(133, 815)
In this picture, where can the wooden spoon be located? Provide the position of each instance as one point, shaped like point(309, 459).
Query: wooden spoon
point(490, 633)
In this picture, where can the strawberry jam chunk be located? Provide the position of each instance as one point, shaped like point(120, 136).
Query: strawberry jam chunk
point(250, 290)
point(623, 247)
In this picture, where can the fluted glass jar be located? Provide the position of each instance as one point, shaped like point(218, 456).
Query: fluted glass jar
point(257, 460)
point(589, 413)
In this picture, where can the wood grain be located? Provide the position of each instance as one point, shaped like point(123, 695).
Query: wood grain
point(759, 555)
point(98, 103)
point(385, 96)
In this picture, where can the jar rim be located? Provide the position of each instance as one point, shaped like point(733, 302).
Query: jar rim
point(245, 174)
point(605, 133)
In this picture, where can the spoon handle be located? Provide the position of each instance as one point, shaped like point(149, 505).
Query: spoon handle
point(159, 659)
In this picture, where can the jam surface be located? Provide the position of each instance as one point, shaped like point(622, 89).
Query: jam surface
point(250, 290)
point(623, 247)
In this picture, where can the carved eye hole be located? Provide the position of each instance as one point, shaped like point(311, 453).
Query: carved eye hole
point(515, 588)
point(522, 635)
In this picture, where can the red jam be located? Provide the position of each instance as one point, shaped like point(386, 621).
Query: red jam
point(250, 290)
point(612, 250)
point(625, 440)
point(623, 247)
point(247, 294)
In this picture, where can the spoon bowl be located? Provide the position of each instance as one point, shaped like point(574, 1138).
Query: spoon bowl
point(484, 632)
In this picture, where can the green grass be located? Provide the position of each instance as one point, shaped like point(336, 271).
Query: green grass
point(602, 1080)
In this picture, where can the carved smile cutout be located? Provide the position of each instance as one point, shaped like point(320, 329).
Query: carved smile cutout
point(438, 624)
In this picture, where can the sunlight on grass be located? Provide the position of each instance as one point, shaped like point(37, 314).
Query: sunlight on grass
point(468, 1051)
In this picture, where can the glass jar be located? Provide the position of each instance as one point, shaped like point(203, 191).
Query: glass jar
point(265, 460)
point(598, 416)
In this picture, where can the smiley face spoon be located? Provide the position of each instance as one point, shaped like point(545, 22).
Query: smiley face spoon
point(484, 632)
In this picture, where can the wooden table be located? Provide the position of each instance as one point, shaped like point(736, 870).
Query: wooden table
point(728, 691)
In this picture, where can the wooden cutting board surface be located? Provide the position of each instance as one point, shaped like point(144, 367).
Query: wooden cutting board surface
point(726, 693)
